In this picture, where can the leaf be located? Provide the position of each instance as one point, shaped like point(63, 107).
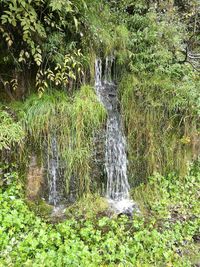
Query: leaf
point(84, 4)
point(10, 42)
point(76, 23)
point(56, 5)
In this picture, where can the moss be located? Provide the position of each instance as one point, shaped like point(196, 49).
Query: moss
point(40, 208)
point(91, 206)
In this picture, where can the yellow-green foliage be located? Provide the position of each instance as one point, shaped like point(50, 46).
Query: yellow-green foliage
point(161, 124)
point(106, 33)
point(165, 237)
point(73, 121)
point(42, 115)
point(11, 132)
point(170, 196)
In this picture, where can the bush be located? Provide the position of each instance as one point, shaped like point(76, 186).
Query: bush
point(11, 131)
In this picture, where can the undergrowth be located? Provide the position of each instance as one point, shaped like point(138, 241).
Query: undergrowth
point(164, 234)
point(11, 131)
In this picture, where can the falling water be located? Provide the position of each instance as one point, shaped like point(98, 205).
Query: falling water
point(116, 160)
point(53, 173)
point(115, 156)
point(98, 74)
point(108, 70)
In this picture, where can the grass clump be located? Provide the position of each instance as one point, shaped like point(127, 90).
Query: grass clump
point(73, 121)
point(161, 121)
point(41, 115)
point(89, 207)
point(87, 117)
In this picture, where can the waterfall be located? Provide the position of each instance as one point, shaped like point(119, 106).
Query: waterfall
point(118, 187)
point(116, 160)
point(98, 73)
point(53, 173)
point(108, 70)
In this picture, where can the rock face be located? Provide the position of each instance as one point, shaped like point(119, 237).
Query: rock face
point(35, 180)
point(98, 162)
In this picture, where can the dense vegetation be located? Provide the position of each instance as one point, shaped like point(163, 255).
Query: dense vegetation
point(163, 236)
point(47, 55)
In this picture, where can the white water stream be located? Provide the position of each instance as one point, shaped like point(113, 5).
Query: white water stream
point(117, 191)
point(53, 173)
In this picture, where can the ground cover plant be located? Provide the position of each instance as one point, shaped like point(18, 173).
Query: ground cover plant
point(164, 234)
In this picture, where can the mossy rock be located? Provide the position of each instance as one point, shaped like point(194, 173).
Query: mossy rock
point(40, 207)
point(89, 207)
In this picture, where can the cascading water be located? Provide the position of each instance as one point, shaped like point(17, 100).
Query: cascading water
point(116, 160)
point(117, 190)
point(53, 173)
point(115, 157)
point(55, 181)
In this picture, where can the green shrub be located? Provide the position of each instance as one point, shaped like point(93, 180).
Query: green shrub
point(163, 237)
point(11, 132)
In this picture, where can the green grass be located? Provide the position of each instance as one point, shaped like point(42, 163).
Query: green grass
point(161, 122)
point(74, 121)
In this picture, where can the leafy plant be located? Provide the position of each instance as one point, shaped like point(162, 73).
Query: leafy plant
point(11, 131)
point(146, 240)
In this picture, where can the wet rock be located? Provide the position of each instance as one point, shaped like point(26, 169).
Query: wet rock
point(98, 162)
point(123, 207)
point(35, 180)
point(58, 214)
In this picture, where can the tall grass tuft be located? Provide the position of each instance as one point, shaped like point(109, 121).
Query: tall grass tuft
point(73, 120)
point(161, 122)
